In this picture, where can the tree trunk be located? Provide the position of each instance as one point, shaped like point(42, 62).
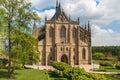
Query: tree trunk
point(9, 60)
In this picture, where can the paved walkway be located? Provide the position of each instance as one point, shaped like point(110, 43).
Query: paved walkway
point(41, 67)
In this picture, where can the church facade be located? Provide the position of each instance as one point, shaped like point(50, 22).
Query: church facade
point(64, 40)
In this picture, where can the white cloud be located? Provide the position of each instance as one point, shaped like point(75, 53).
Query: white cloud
point(103, 37)
point(104, 13)
point(47, 13)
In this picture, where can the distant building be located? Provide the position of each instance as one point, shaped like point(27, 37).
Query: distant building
point(64, 40)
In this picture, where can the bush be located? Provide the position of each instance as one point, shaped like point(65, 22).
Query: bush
point(76, 73)
point(61, 66)
point(117, 66)
point(98, 56)
point(3, 63)
point(72, 73)
point(105, 63)
point(17, 66)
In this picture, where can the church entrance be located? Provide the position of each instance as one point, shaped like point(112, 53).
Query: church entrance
point(64, 59)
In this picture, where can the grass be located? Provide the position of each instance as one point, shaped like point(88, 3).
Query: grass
point(111, 77)
point(108, 69)
point(96, 61)
point(31, 74)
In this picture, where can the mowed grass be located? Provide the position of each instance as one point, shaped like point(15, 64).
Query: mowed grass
point(108, 69)
point(105, 68)
point(31, 74)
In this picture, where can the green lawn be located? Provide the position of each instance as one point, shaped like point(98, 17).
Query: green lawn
point(108, 69)
point(31, 74)
point(105, 68)
point(109, 77)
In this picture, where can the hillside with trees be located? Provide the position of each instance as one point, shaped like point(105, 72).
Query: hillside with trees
point(107, 51)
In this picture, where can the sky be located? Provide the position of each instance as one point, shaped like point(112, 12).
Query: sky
point(104, 16)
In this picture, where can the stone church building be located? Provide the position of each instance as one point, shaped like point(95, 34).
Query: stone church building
point(64, 40)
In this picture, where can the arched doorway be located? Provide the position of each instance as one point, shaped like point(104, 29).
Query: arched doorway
point(64, 59)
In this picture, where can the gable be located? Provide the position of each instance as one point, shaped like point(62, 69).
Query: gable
point(62, 18)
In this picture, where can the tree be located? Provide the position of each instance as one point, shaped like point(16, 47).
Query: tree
point(98, 56)
point(17, 16)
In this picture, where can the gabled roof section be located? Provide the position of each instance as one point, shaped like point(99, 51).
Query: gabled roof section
point(60, 15)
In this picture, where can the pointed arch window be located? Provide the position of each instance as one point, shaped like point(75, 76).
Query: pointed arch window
point(51, 32)
point(74, 32)
point(63, 32)
point(83, 53)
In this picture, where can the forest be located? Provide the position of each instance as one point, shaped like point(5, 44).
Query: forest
point(113, 50)
point(108, 51)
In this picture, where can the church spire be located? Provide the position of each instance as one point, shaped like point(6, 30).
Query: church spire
point(45, 18)
point(56, 3)
point(89, 30)
point(59, 5)
point(85, 27)
point(78, 20)
point(89, 26)
point(69, 17)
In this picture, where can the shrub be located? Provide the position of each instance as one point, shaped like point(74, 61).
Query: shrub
point(98, 56)
point(3, 63)
point(117, 66)
point(105, 63)
point(17, 66)
point(61, 66)
point(76, 73)
point(72, 73)
point(94, 76)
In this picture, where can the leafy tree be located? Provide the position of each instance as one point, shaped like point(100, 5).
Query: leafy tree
point(16, 16)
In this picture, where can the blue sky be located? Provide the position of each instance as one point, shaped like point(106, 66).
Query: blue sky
point(104, 16)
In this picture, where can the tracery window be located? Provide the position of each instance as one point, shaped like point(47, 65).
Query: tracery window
point(63, 32)
point(61, 48)
point(66, 48)
point(51, 32)
point(74, 32)
point(83, 53)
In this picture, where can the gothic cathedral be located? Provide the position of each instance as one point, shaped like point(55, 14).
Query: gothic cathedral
point(64, 40)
